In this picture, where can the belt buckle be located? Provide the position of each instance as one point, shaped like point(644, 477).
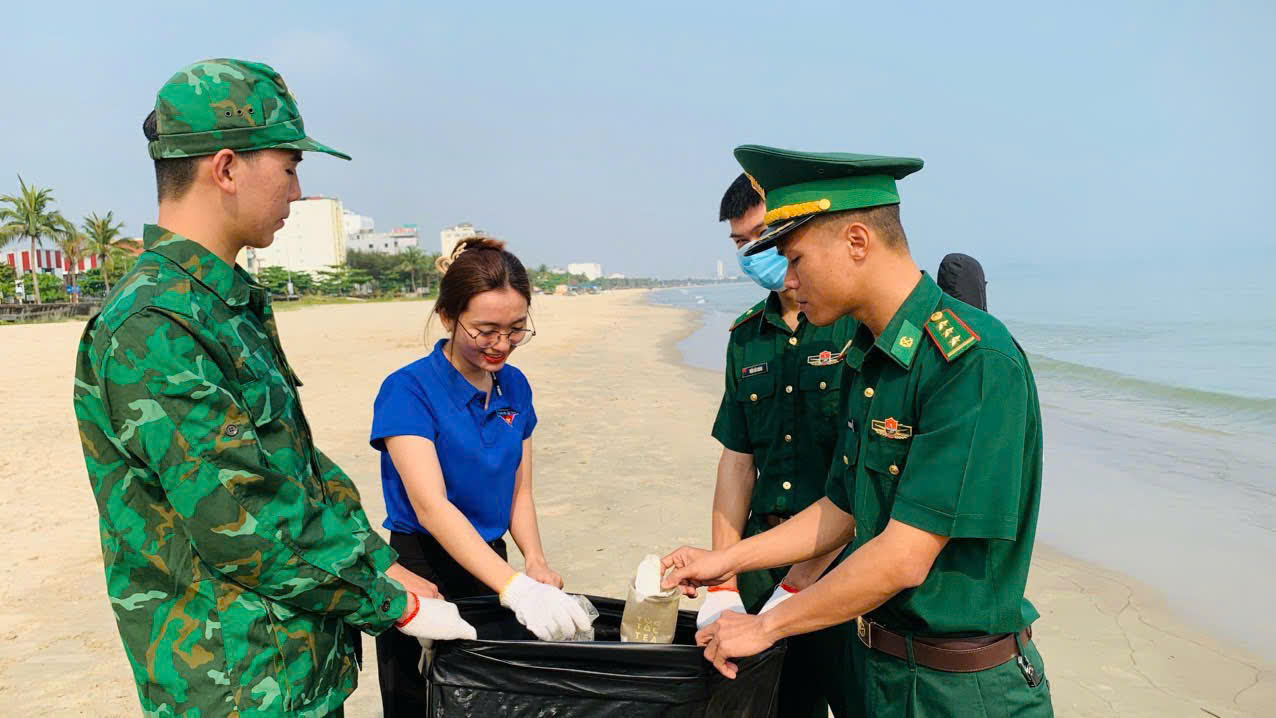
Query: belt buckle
point(864, 629)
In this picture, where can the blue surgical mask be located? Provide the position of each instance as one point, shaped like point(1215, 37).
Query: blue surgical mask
point(767, 267)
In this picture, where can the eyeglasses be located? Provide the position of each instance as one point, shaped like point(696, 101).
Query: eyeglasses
point(489, 337)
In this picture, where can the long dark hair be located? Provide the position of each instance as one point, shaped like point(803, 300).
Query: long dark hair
point(477, 265)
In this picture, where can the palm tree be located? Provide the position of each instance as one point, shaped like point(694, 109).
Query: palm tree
point(100, 235)
point(30, 216)
point(413, 260)
point(72, 244)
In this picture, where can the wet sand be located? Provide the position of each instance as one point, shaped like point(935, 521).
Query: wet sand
point(624, 467)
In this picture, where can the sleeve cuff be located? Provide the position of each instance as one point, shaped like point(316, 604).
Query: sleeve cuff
point(943, 524)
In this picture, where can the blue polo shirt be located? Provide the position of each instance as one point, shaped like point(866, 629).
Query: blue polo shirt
point(479, 448)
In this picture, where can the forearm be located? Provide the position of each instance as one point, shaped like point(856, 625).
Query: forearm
point(524, 528)
point(816, 531)
point(805, 573)
point(731, 496)
point(457, 536)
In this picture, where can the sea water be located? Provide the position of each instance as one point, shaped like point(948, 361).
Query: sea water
point(1158, 390)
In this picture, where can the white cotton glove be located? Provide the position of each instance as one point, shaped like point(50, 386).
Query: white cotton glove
point(436, 620)
point(781, 594)
point(718, 601)
point(546, 611)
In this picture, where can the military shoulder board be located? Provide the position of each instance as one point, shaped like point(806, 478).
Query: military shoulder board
point(950, 334)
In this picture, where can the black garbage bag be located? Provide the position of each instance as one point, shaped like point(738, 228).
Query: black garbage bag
point(506, 672)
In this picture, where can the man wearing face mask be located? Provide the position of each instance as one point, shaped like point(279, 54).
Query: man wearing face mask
point(777, 427)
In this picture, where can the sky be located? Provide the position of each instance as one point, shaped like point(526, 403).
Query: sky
point(1136, 135)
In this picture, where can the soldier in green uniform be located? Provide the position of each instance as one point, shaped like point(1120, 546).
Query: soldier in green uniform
point(239, 562)
point(937, 472)
point(777, 427)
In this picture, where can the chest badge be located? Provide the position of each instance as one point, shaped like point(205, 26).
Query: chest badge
point(892, 429)
point(508, 415)
point(755, 370)
point(824, 358)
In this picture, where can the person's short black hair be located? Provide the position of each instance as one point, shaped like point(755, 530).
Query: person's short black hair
point(740, 198)
point(173, 176)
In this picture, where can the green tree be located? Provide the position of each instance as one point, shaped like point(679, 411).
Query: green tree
point(30, 216)
point(413, 261)
point(101, 235)
point(274, 279)
point(7, 277)
point(74, 246)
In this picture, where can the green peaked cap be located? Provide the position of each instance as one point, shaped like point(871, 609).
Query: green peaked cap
point(228, 104)
point(799, 186)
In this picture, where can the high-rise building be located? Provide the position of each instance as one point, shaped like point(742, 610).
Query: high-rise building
point(721, 273)
point(392, 242)
point(450, 236)
point(313, 238)
point(591, 270)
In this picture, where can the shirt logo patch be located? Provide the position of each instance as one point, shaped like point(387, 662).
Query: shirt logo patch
point(892, 429)
point(508, 415)
point(755, 370)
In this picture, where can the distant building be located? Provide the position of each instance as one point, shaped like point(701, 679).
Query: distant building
point(720, 269)
point(451, 236)
point(313, 238)
point(48, 258)
point(615, 275)
point(392, 242)
point(356, 225)
point(591, 270)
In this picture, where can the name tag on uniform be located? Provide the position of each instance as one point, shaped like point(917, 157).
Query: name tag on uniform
point(755, 370)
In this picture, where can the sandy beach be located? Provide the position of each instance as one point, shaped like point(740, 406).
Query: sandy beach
point(624, 467)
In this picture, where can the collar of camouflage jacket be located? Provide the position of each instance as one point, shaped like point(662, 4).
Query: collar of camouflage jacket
point(232, 285)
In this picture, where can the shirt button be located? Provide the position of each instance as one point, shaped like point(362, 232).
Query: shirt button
point(793, 341)
point(823, 385)
point(787, 485)
point(232, 430)
point(788, 437)
point(894, 470)
point(753, 397)
point(869, 392)
point(788, 389)
point(846, 460)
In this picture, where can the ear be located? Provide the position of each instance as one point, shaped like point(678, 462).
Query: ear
point(857, 238)
point(224, 166)
point(448, 324)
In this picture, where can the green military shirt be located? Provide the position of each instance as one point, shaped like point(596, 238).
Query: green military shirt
point(236, 553)
point(781, 403)
point(942, 431)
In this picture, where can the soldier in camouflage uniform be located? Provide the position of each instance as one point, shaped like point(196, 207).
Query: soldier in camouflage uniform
point(238, 557)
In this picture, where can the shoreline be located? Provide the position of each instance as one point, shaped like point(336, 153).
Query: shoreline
point(1135, 623)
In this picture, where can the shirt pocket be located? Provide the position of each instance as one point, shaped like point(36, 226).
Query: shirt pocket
point(821, 391)
point(884, 462)
point(756, 395)
point(272, 405)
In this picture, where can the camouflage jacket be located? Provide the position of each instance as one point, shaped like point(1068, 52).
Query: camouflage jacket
point(236, 553)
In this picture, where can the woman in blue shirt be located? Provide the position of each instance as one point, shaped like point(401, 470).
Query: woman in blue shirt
point(455, 434)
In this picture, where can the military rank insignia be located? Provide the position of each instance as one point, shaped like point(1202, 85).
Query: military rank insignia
point(508, 415)
point(950, 334)
point(892, 429)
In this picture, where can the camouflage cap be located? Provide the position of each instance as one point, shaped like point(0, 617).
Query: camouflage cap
point(228, 104)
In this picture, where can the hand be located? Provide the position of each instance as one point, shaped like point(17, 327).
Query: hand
point(719, 600)
point(412, 582)
point(782, 593)
point(434, 619)
point(734, 635)
point(545, 610)
point(541, 573)
point(695, 567)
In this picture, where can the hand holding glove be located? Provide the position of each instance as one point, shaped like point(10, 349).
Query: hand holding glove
point(545, 610)
point(719, 600)
point(434, 619)
point(782, 593)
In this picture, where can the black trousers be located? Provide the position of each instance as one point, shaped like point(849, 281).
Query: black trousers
point(398, 654)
